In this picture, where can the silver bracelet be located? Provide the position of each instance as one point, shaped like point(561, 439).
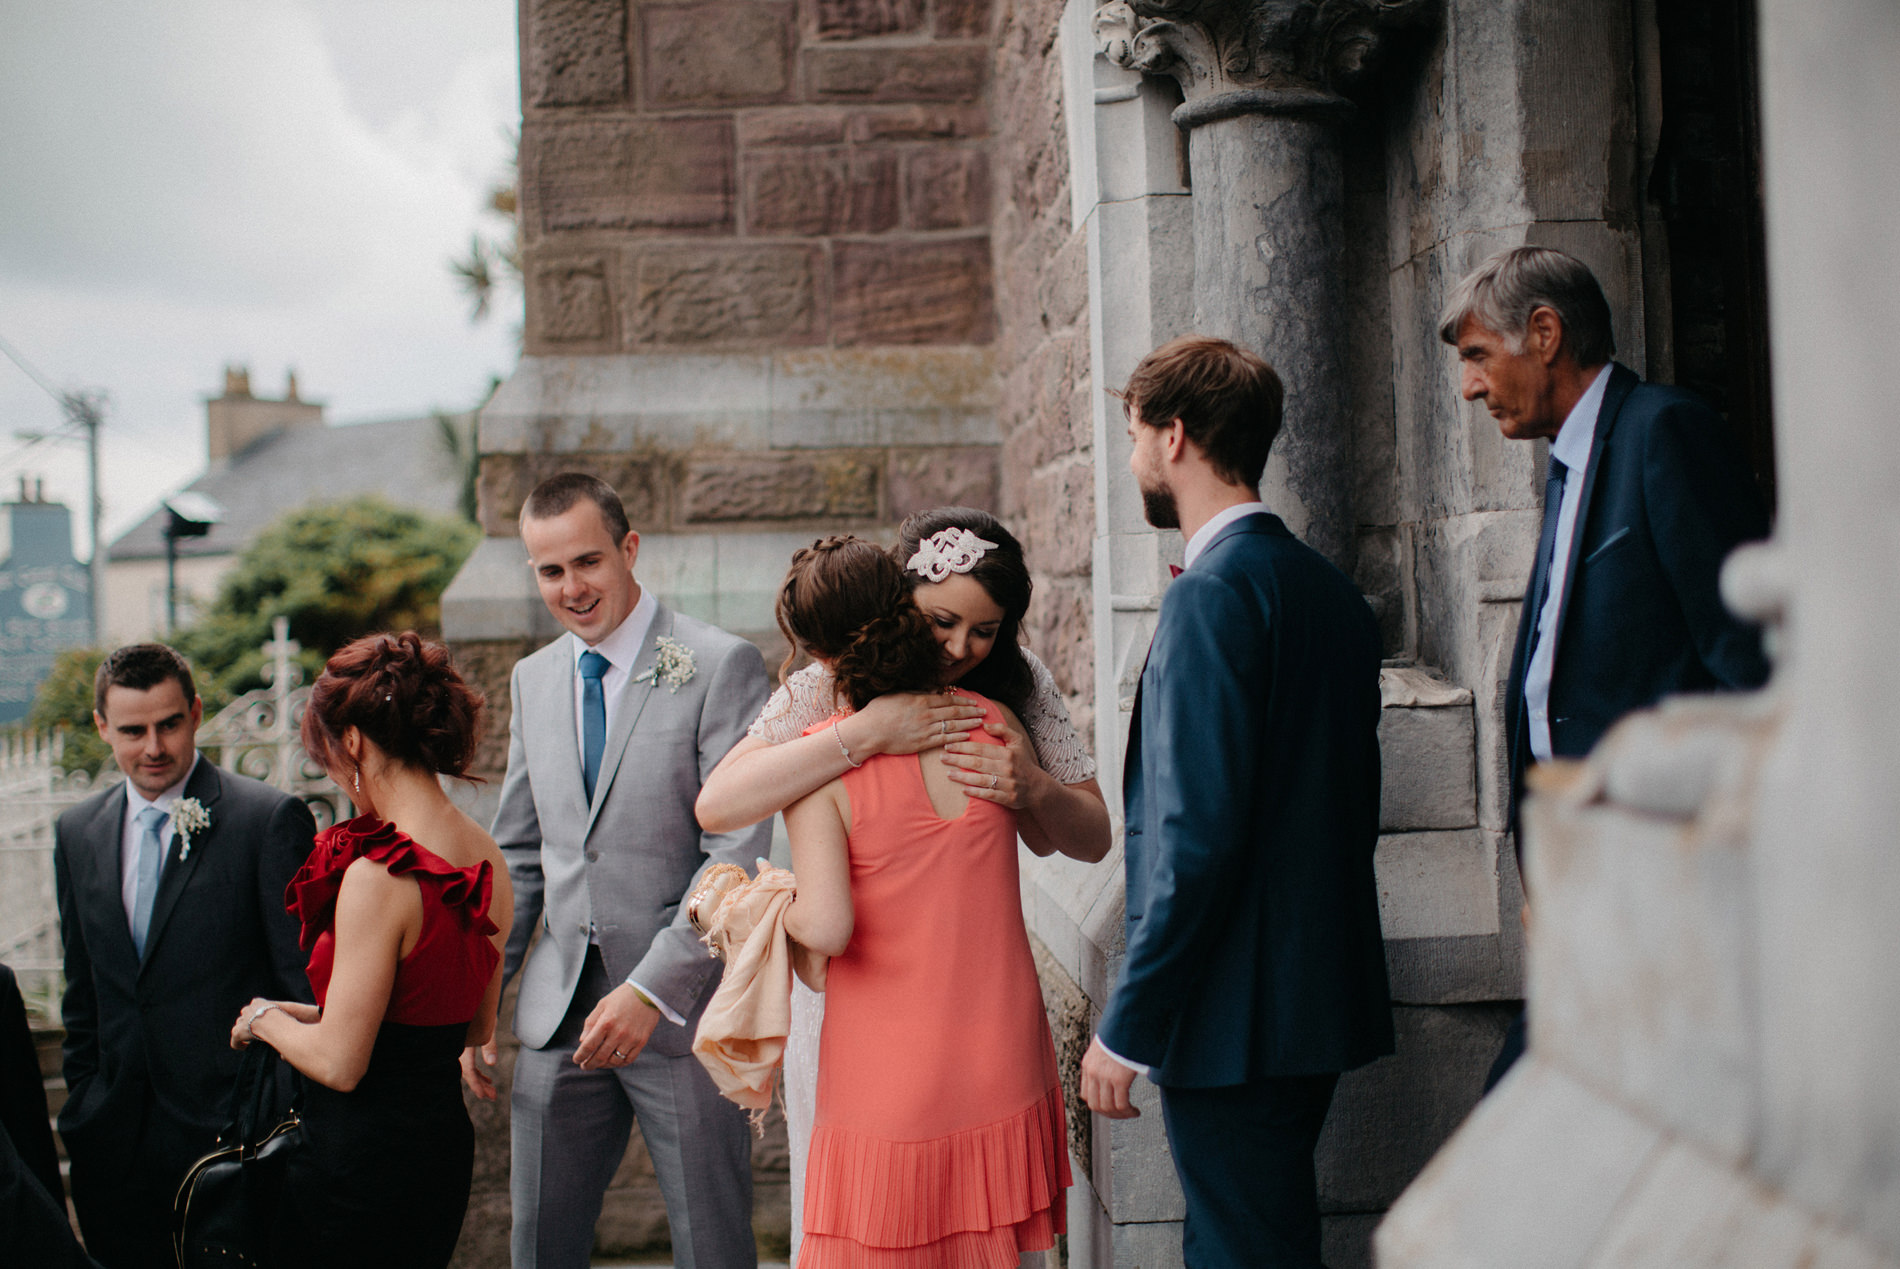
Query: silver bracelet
point(261, 1010)
point(839, 737)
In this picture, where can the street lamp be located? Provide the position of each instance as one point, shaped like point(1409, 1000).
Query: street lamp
point(187, 515)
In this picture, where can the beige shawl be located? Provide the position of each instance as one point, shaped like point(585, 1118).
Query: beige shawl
point(741, 1037)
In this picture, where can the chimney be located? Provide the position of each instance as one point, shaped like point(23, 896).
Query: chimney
point(237, 420)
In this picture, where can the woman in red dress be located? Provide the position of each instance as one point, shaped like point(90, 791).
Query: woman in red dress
point(938, 1140)
point(404, 911)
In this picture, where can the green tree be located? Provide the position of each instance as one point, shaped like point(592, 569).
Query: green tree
point(64, 703)
point(338, 571)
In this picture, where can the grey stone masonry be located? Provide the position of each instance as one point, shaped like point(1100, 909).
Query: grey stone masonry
point(1714, 1002)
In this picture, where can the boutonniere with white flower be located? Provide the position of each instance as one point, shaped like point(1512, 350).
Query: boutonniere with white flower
point(188, 816)
point(672, 664)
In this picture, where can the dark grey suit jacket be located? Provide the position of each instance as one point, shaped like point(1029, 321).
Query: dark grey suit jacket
point(148, 1057)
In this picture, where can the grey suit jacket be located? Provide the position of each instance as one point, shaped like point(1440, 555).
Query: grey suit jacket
point(622, 864)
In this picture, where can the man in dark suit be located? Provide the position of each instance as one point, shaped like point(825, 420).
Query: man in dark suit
point(171, 913)
point(1255, 971)
point(1645, 495)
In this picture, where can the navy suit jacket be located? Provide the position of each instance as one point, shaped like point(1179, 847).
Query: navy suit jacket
point(1666, 497)
point(148, 1058)
point(1252, 812)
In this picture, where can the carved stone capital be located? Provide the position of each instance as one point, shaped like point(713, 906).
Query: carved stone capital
point(1235, 57)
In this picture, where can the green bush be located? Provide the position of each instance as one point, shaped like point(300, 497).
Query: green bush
point(338, 571)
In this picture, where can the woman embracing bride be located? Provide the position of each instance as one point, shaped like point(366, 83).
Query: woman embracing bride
point(972, 599)
point(938, 1134)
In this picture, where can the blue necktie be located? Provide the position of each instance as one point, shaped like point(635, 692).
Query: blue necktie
point(151, 863)
point(593, 719)
point(1546, 547)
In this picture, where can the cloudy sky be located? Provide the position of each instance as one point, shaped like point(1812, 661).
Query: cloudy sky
point(271, 183)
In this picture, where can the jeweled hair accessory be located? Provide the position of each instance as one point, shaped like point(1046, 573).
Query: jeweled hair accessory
point(948, 551)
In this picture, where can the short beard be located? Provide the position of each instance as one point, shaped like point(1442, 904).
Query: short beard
point(1158, 506)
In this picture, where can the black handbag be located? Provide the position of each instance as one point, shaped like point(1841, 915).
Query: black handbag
point(225, 1214)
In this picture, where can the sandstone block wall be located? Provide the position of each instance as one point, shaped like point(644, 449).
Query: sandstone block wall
point(1043, 410)
point(754, 173)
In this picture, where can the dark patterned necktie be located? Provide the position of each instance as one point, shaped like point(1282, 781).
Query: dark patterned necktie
point(1547, 544)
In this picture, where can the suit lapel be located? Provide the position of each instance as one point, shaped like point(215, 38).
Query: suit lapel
point(107, 882)
point(633, 701)
point(563, 775)
point(1617, 391)
point(205, 785)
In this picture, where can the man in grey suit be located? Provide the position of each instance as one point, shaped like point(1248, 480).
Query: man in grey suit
point(615, 725)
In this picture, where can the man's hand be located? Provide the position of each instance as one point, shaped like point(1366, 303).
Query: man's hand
point(1105, 1083)
point(616, 1031)
point(479, 1082)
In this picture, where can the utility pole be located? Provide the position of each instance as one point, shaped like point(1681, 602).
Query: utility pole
point(87, 410)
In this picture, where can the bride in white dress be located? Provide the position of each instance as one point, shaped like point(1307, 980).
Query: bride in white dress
point(968, 575)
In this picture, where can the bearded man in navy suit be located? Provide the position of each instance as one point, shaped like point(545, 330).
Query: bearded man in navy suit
point(1646, 493)
point(1255, 971)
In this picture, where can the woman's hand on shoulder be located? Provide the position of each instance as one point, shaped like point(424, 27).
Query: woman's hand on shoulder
point(1007, 774)
point(912, 722)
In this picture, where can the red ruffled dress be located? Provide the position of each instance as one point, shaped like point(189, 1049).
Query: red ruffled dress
point(938, 1139)
point(383, 1178)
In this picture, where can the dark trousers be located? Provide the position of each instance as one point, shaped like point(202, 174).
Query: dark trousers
point(1244, 1153)
point(126, 1220)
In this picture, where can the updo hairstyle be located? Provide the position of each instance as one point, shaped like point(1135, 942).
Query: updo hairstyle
point(1003, 675)
point(845, 602)
point(403, 693)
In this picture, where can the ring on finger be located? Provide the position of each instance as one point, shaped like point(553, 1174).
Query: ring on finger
point(992, 779)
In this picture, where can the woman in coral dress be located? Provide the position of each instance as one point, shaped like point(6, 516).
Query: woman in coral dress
point(975, 598)
point(938, 1137)
point(403, 911)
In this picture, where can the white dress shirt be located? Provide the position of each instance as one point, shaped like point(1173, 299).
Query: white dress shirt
point(1221, 520)
point(129, 834)
point(1571, 448)
point(1195, 545)
point(620, 647)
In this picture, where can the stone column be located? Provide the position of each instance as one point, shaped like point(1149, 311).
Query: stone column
point(1260, 80)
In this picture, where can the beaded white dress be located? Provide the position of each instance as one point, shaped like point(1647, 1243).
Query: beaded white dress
point(804, 700)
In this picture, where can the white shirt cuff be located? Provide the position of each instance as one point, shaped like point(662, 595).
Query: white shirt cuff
point(666, 1011)
point(1139, 1068)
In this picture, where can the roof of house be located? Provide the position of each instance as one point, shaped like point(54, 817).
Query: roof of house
point(403, 460)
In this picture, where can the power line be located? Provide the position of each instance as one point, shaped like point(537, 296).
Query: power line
point(44, 438)
point(14, 355)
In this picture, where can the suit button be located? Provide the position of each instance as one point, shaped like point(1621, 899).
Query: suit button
point(593, 856)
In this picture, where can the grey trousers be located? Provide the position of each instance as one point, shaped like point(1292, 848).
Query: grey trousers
point(570, 1132)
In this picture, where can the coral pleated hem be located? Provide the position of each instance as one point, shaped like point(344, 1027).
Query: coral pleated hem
point(974, 1199)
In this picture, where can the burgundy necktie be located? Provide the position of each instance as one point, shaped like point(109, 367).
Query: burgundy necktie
point(1174, 571)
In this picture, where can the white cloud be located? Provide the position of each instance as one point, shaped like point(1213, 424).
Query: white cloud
point(191, 182)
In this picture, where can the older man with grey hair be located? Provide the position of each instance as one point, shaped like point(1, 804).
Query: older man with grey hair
point(1646, 493)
